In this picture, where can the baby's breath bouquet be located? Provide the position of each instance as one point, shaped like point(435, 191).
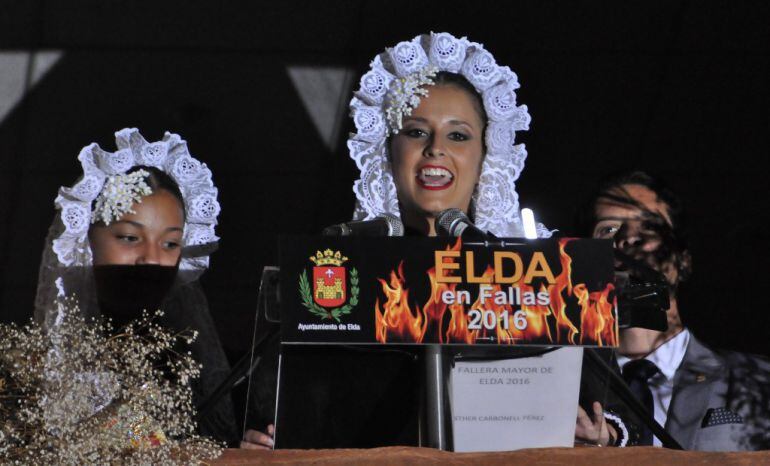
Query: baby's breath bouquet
point(79, 393)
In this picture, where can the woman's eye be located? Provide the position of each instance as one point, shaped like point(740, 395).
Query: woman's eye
point(415, 133)
point(457, 136)
point(128, 238)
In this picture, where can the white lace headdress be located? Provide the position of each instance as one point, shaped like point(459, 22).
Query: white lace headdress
point(169, 155)
point(66, 262)
point(378, 105)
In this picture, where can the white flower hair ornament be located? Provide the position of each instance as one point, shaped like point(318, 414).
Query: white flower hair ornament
point(404, 96)
point(106, 184)
point(392, 88)
point(119, 194)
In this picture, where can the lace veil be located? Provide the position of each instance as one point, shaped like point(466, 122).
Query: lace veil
point(66, 267)
point(495, 201)
point(66, 264)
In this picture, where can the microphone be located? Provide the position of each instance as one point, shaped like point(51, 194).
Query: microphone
point(384, 225)
point(454, 223)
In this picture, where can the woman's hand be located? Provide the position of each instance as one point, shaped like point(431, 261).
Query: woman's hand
point(596, 430)
point(256, 440)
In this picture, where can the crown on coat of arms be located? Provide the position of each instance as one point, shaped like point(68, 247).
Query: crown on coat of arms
point(328, 257)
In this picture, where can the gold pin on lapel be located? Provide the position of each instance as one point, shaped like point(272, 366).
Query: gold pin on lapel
point(700, 378)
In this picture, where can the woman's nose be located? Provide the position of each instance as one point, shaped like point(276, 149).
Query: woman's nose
point(434, 148)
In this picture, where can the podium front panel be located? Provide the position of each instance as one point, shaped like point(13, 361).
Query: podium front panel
point(417, 290)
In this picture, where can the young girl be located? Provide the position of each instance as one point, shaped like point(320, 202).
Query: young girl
point(134, 233)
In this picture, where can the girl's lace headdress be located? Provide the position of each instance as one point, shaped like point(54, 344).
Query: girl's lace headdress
point(392, 88)
point(105, 181)
point(105, 192)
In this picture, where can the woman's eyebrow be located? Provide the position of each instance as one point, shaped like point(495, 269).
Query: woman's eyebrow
point(174, 229)
point(460, 122)
point(413, 118)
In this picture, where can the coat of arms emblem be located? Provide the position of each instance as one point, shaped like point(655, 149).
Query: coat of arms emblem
point(328, 298)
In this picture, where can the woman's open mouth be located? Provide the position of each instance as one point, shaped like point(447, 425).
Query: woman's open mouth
point(434, 177)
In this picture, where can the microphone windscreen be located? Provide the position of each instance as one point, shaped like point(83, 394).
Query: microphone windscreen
point(395, 226)
point(384, 225)
point(448, 220)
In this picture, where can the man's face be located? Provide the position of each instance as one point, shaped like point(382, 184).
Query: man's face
point(640, 226)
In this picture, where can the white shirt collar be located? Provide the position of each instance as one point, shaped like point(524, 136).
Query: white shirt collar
point(668, 356)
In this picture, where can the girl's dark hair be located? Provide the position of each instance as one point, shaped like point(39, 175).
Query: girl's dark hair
point(448, 78)
point(158, 179)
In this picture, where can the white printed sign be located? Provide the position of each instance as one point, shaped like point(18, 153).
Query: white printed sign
point(516, 403)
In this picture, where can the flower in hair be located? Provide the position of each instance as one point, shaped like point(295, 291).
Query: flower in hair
point(106, 192)
point(120, 192)
point(404, 95)
point(392, 89)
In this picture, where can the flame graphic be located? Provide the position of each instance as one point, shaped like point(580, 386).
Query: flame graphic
point(438, 322)
point(398, 323)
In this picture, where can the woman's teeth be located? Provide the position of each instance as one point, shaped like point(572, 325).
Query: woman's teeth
point(434, 177)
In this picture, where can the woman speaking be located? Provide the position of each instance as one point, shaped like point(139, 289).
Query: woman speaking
point(436, 120)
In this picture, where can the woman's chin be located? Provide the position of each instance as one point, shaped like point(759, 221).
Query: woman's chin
point(431, 208)
point(425, 205)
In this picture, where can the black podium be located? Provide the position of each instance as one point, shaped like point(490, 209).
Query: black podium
point(356, 310)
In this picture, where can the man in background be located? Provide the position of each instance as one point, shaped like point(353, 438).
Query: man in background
point(707, 400)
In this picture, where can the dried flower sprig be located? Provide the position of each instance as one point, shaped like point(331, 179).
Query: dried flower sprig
point(404, 95)
point(119, 194)
point(76, 394)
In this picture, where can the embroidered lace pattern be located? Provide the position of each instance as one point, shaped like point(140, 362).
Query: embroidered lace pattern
point(496, 203)
point(104, 180)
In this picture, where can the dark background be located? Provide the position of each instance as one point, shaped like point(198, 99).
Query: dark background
point(677, 88)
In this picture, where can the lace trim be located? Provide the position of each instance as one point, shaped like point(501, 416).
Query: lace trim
point(496, 201)
point(621, 428)
point(169, 155)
